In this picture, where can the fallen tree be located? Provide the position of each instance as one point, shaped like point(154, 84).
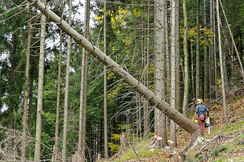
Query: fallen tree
point(173, 114)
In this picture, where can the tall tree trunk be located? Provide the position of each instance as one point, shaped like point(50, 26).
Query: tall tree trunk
point(30, 112)
point(197, 54)
point(37, 155)
point(186, 62)
point(105, 86)
point(176, 116)
point(173, 72)
point(83, 90)
point(192, 72)
point(221, 66)
point(13, 60)
point(144, 78)
point(214, 50)
point(205, 54)
point(55, 149)
point(159, 52)
point(177, 56)
point(25, 124)
point(167, 60)
point(212, 67)
point(66, 94)
point(147, 63)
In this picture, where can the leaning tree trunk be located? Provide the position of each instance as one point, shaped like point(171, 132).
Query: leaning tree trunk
point(37, 155)
point(233, 41)
point(173, 114)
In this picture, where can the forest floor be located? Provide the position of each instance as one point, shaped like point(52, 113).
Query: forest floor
point(224, 143)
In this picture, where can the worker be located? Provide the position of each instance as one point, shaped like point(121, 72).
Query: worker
point(201, 111)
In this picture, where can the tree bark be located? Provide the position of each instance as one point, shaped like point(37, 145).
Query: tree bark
point(212, 67)
point(221, 66)
point(66, 94)
point(167, 60)
point(173, 73)
point(55, 149)
point(176, 116)
point(37, 154)
point(25, 124)
point(205, 94)
point(186, 62)
point(83, 90)
point(197, 54)
point(159, 72)
point(105, 87)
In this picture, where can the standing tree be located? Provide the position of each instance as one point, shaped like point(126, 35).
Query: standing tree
point(25, 124)
point(212, 67)
point(167, 54)
point(173, 71)
point(197, 54)
point(186, 62)
point(177, 56)
point(83, 90)
point(221, 66)
point(40, 88)
point(55, 148)
point(105, 86)
point(159, 53)
point(205, 91)
point(66, 94)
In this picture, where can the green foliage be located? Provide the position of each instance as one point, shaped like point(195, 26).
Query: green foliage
point(124, 126)
point(50, 118)
point(115, 137)
point(149, 135)
point(113, 147)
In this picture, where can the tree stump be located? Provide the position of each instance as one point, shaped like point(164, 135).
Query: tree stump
point(123, 142)
point(179, 157)
point(204, 157)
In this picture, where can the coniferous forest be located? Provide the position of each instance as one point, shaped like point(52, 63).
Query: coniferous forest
point(83, 80)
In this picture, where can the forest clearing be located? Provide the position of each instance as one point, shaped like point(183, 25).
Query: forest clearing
point(224, 143)
point(128, 74)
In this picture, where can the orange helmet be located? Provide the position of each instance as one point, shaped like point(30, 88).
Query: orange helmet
point(199, 101)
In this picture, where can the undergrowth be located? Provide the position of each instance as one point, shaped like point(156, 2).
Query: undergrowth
point(228, 147)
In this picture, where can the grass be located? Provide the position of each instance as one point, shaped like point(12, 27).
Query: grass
point(229, 147)
point(140, 151)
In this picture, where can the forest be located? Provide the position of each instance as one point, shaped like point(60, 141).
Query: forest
point(85, 80)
